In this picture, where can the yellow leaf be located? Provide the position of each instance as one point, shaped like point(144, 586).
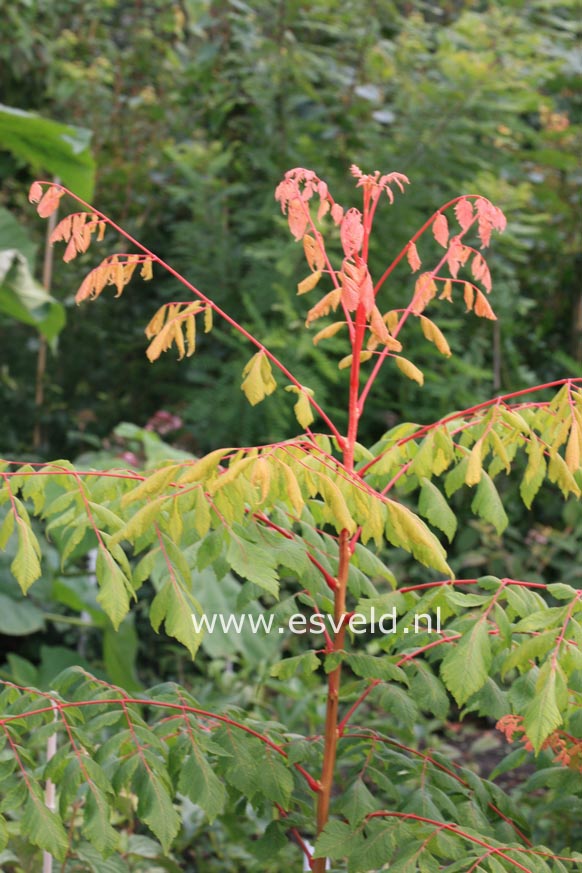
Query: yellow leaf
point(146, 271)
point(261, 477)
point(347, 361)
point(293, 491)
point(475, 465)
point(160, 343)
point(409, 369)
point(313, 253)
point(327, 303)
point(469, 295)
point(156, 323)
point(234, 471)
point(339, 513)
point(155, 484)
point(447, 292)
point(482, 307)
point(328, 331)
point(303, 411)
point(258, 379)
point(309, 283)
point(201, 470)
point(573, 449)
point(208, 319)
point(434, 335)
point(178, 338)
point(191, 334)
point(391, 318)
point(500, 450)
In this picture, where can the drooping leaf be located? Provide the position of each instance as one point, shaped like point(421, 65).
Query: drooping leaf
point(258, 381)
point(434, 506)
point(405, 529)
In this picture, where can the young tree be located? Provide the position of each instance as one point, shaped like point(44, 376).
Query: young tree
point(313, 518)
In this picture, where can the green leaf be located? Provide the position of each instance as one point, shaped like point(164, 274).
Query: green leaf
point(465, 667)
point(199, 782)
point(25, 299)
point(174, 605)
point(245, 759)
point(357, 802)
point(534, 472)
point(50, 147)
point(26, 564)
point(114, 587)
point(273, 841)
point(375, 667)
point(542, 716)
point(428, 690)
point(155, 806)
point(370, 850)
point(253, 562)
point(398, 703)
point(302, 408)
point(487, 504)
point(306, 663)
point(97, 811)
point(405, 529)
point(42, 827)
point(433, 506)
point(95, 862)
point(335, 841)
point(19, 617)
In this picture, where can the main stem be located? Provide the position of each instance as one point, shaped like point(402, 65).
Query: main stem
point(331, 734)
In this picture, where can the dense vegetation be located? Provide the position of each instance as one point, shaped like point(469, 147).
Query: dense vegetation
point(180, 121)
point(195, 111)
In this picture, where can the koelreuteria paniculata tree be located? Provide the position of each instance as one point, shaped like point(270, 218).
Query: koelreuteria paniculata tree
point(319, 513)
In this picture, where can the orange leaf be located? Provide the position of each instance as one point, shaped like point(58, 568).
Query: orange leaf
point(313, 252)
point(297, 217)
point(50, 201)
point(325, 305)
point(413, 258)
point(352, 232)
point(35, 192)
point(469, 295)
point(482, 306)
point(440, 230)
point(464, 213)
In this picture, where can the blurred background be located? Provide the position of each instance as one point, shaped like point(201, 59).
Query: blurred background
point(181, 120)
